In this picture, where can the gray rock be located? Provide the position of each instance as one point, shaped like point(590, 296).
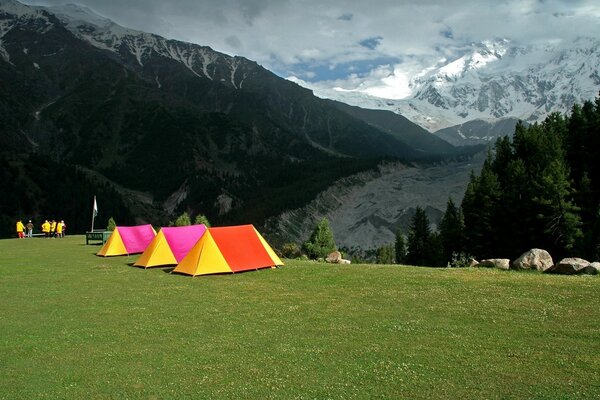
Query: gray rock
point(500, 263)
point(537, 259)
point(344, 261)
point(334, 258)
point(473, 263)
point(571, 266)
point(596, 266)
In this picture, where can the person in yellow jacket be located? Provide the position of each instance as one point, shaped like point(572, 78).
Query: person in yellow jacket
point(46, 228)
point(52, 228)
point(20, 229)
point(59, 229)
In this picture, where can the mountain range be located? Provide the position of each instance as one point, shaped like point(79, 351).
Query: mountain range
point(156, 127)
point(480, 95)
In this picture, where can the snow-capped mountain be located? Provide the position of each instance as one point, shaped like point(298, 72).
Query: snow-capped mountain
point(494, 80)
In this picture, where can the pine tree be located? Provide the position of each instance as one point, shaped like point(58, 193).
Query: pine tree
point(321, 242)
point(557, 212)
point(452, 229)
point(201, 219)
point(111, 225)
point(400, 248)
point(480, 210)
point(183, 220)
point(419, 235)
point(385, 254)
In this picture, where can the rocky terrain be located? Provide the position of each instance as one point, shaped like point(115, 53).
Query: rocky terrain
point(365, 210)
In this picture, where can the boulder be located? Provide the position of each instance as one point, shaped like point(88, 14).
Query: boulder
point(473, 263)
point(501, 263)
point(596, 266)
point(334, 258)
point(537, 259)
point(343, 261)
point(571, 266)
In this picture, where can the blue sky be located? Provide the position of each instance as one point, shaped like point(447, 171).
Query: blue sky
point(344, 43)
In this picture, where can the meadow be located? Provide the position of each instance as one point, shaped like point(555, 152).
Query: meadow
point(75, 326)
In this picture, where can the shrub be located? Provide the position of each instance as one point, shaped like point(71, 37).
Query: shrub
point(201, 219)
point(460, 260)
point(290, 250)
point(321, 241)
point(111, 225)
point(183, 220)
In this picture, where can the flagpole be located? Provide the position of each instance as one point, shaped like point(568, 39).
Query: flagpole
point(93, 214)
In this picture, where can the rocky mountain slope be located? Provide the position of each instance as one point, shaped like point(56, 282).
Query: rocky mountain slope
point(366, 210)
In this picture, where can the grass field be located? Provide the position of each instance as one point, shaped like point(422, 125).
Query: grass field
point(76, 326)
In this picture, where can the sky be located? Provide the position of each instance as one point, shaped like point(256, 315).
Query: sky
point(376, 44)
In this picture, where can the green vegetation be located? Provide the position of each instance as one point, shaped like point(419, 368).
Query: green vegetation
point(201, 219)
point(539, 189)
point(111, 224)
point(423, 246)
point(399, 247)
point(78, 326)
point(183, 220)
point(386, 254)
point(321, 242)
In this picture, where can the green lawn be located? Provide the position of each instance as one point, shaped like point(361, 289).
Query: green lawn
point(76, 326)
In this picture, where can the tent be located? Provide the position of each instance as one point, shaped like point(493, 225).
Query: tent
point(228, 249)
point(127, 240)
point(170, 245)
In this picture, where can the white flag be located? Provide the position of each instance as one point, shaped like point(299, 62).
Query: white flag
point(95, 207)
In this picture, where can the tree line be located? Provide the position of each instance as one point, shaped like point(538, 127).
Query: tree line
point(540, 188)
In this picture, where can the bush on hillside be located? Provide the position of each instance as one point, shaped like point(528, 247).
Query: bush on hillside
point(321, 242)
point(111, 225)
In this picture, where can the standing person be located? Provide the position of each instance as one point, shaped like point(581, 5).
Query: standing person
point(46, 228)
point(64, 228)
point(59, 229)
point(29, 227)
point(52, 228)
point(20, 229)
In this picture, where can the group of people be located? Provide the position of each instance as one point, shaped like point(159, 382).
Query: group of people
point(49, 229)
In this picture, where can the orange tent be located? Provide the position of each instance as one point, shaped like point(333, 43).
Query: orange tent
point(228, 249)
point(127, 240)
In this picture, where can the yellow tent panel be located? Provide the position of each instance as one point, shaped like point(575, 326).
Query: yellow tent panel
point(204, 258)
point(114, 246)
point(157, 253)
point(274, 257)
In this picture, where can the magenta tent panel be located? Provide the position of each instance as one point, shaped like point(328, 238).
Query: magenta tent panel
point(181, 239)
point(136, 238)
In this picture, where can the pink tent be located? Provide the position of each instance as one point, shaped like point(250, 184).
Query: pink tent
point(170, 246)
point(182, 238)
point(136, 238)
point(128, 240)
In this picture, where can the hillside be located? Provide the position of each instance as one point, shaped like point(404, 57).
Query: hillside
point(177, 125)
point(367, 209)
